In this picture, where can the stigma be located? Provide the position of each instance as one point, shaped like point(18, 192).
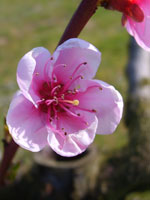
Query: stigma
point(74, 102)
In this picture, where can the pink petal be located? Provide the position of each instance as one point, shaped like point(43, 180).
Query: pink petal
point(105, 101)
point(74, 143)
point(141, 31)
point(26, 125)
point(72, 53)
point(71, 124)
point(31, 65)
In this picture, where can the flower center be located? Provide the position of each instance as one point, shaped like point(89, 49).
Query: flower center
point(58, 98)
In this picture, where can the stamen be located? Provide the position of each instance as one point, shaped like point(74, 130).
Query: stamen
point(67, 110)
point(49, 101)
point(62, 96)
point(40, 101)
point(87, 110)
point(73, 114)
point(69, 92)
point(51, 127)
point(45, 69)
point(55, 67)
point(78, 67)
point(72, 79)
point(69, 83)
point(56, 117)
point(55, 88)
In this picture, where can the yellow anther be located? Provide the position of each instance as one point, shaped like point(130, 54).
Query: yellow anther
point(76, 102)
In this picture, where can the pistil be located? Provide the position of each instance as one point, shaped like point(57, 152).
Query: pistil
point(74, 102)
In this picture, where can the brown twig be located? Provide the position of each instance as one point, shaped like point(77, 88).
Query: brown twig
point(82, 15)
point(9, 152)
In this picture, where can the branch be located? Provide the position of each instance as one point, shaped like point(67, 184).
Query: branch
point(9, 152)
point(82, 15)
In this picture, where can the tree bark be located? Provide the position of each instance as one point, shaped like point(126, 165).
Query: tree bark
point(138, 106)
point(128, 170)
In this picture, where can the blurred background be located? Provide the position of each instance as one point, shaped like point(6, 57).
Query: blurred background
point(32, 23)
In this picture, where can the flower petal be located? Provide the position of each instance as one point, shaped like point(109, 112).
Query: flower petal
point(72, 53)
point(31, 65)
point(141, 30)
point(74, 143)
point(104, 101)
point(25, 124)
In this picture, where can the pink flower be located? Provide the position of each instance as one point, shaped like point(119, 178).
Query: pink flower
point(136, 19)
point(58, 104)
point(140, 30)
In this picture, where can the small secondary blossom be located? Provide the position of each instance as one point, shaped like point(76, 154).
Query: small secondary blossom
point(58, 104)
point(136, 18)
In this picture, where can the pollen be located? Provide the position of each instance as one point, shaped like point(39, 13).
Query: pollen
point(76, 102)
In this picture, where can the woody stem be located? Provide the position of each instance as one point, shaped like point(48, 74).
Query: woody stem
point(82, 15)
point(9, 152)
